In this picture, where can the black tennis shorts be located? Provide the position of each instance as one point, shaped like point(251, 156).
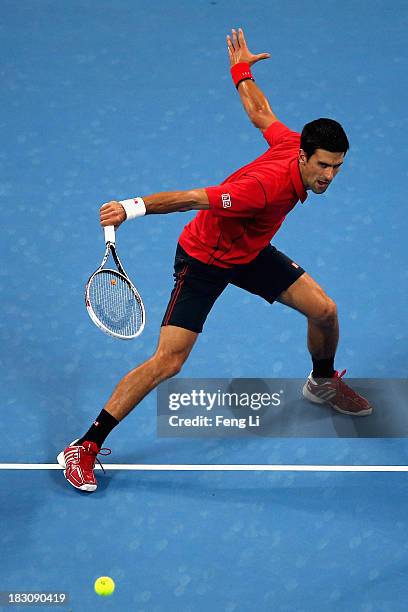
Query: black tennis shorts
point(198, 285)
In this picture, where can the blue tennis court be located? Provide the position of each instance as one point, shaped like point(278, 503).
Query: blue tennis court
point(108, 100)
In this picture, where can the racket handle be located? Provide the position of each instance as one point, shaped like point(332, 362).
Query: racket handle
point(109, 234)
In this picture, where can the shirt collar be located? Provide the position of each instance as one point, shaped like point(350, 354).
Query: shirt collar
point(297, 181)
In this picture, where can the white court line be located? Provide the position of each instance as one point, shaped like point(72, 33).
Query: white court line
point(217, 468)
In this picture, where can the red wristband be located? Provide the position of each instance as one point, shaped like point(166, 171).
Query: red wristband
point(241, 72)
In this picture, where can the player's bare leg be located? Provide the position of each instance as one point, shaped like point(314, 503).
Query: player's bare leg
point(306, 296)
point(324, 383)
point(175, 344)
point(78, 459)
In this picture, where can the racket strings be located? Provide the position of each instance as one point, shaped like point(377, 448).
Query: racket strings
point(115, 304)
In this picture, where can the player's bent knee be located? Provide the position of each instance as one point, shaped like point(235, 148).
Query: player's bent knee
point(328, 312)
point(170, 364)
point(173, 367)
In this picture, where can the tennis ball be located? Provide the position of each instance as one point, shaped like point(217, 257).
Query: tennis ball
point(104, 586)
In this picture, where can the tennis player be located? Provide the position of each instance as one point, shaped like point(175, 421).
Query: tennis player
point(228, 241)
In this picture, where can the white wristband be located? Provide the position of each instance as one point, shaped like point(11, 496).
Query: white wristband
point(135, 207)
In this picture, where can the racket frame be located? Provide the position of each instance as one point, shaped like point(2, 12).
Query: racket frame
point(111, 249)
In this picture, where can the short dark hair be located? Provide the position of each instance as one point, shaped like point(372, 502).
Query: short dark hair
point(323, 134)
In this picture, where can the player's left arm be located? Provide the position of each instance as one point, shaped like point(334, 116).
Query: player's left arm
point(253, 99)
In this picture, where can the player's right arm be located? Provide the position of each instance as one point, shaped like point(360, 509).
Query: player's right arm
point(253, 99)
point(164, 202)
point(241, 198)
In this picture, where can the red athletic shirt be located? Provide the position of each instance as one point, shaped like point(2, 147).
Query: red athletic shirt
point(249, 207)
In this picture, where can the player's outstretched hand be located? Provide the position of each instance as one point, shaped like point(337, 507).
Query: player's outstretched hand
point(239, 52)
point(112, 213)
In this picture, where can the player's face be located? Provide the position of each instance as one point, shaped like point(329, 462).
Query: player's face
point(320, 169)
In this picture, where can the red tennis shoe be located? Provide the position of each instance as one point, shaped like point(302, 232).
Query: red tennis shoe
point(335, 392)
point(79, 464)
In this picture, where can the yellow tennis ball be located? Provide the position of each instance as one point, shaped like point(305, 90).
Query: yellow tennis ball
point(104, 586)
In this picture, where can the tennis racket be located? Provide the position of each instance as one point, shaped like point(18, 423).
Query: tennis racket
point(111, 299)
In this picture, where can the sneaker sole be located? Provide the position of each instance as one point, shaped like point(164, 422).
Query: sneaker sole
point(61, 461)
point(318, 400)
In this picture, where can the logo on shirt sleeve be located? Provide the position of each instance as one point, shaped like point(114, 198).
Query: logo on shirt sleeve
point(226, 200)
